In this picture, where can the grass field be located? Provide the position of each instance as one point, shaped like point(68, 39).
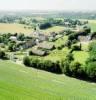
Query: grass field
point(53, 29)
point(21, 83)
point(13, 28)
point(92, 24)
point(81, 56)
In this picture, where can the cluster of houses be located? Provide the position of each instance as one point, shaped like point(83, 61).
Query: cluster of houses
point(37, 39)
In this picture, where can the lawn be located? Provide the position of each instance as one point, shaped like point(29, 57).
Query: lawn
point(60, 41)
point(21, 83)
point(57, 55)
point(13, 28)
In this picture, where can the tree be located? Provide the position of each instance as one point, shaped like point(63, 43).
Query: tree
point(45, 25)
point(2, 54)
point(26, 61)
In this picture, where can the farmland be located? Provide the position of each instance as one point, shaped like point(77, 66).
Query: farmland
point(20, 28)
point(57, 49)
point(20, 83)
point(14, 28)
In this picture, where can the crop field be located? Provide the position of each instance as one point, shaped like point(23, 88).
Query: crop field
point(21, 83)
point(13, 28)
point(19, 28)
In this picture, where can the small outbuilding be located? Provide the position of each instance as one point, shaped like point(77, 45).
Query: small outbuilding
point(45, 45)
point(38, 52)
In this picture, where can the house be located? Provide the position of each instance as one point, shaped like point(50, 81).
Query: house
point(84, 38)
point(13, 38)
point(38, 52)
point(28, 44)
point(53, 34)
point(46, 46)
point(42, 37)
point(39, 36)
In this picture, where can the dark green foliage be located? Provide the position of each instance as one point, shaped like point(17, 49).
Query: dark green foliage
point(30, 53)
point(20, 37)
point(91, 62)
point(87, 29)
point(43, 64)
point(91, 70)
point(45, 25)
point(68, 44)
point(2, 54)
point(76, 48)
point(26, 61)
point(12, 46)
point(75, 69)
point(73, 36)
point(69, 57)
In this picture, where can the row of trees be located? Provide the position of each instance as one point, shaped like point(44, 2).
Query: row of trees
point(91, 61)
point(42, 64)
point(67, 66)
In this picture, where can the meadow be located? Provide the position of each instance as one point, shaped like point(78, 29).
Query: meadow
point(18, 82)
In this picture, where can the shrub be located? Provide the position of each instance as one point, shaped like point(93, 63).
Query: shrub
point(75, 69)
point(91, 70)
point(2, 54)
point(68, 44)
point(76, 47)
point(26, 61)
point(65, 67)
point(69, 57)
point(30, 53)
point(42, 64)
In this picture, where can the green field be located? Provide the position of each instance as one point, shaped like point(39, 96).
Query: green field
point(80, 56)
point(53, 29)
point(92, 24)
point(21, 83)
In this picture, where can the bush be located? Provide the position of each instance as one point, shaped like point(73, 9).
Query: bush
point(43, 64)
point(30, 53)
point(26, 61)
point(68, 44)
point(91, 70)
point(69, 57)
point(73, 36)
point(65, 67)
point(2, 54)
point(76, 47)
point(76, 70)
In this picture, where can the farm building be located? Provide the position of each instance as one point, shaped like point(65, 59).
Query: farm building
point(38, 52)
point(46, 46)
point(53, 34)
point(29, 43)
point(39, 36)
point(13, 38)
point(84, 38)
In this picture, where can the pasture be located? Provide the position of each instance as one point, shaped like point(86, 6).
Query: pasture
point(21, 83)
